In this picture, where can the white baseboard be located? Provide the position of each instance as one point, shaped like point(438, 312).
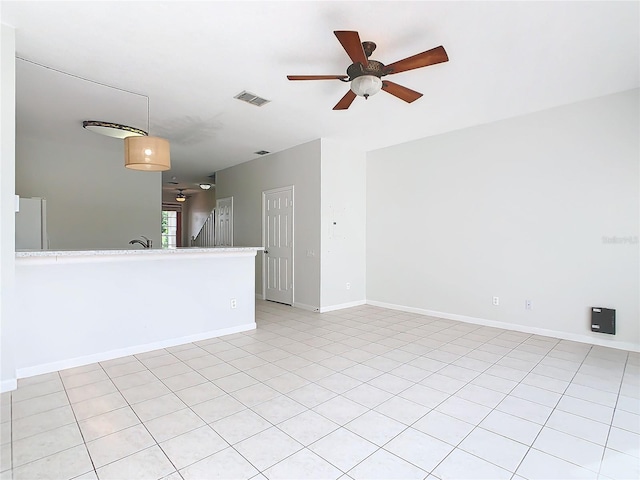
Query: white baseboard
point(302, 306)
point(332, 308)
point(8, 385)
point(123, 352)
point(575, 337)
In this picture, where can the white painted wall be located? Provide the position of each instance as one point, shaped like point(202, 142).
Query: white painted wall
point(516, 209)
point(298, 166)
point(7, 211)
point(343, 205)
point(73, 310)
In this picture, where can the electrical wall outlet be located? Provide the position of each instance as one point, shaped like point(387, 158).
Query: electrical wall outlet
point(234, 303)
point(496, 300)
point(348, 286)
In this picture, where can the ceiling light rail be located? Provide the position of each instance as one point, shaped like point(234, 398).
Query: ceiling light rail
point(79, 77)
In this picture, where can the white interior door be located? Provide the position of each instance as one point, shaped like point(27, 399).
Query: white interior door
point(224, 222)
point(278, 242)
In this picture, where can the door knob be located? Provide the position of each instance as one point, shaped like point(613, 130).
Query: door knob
point(266, 251)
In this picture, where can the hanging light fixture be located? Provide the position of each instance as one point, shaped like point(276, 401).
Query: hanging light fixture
point(181, 197)
point(205, 186)
point(115, 130)
point(151, 154)
point(141, 152)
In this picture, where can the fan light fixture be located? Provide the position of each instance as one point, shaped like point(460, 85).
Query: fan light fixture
point(365, 74)
point(366, 85)
point(205, 186)
point(181, 197)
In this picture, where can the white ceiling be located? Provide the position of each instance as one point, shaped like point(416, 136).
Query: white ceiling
point(191, 58)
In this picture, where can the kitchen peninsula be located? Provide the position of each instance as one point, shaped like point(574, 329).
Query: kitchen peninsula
point(79, 307)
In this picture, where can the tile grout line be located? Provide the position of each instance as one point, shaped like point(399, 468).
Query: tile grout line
point(205, 422)
point(604, 450)
point(13, 466)
point(109, 411)
point(478, 424)
point(339, 426)
point(553, 410)
point(520, 383)
point(186, 406)
point(84, 442)
point(143, 423)
point(409, 426)
point(358, 321)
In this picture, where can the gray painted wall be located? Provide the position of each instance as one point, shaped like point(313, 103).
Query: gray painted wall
point(199, 207)
point(93, 201)
point(329, 227)
point(298, 166)
point(517, 209)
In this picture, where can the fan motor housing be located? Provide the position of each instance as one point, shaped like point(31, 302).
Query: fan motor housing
point(373, 67)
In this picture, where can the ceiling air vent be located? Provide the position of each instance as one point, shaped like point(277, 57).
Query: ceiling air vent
point(261, 152)
point(251, 98)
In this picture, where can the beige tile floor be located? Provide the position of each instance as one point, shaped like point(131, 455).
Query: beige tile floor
point(359, 393)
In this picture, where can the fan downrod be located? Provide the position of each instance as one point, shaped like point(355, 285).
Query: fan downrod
point(369, 48)
point(372, 67)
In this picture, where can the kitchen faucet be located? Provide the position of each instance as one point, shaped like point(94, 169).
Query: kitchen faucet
point(146, 244)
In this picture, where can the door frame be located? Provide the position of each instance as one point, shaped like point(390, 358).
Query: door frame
point(293, 245)
point(179, 228)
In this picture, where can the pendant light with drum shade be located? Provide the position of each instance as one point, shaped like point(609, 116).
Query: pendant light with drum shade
point(141, 151)
point(150, 154)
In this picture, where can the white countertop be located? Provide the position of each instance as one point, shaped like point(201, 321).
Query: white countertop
point(137, 252)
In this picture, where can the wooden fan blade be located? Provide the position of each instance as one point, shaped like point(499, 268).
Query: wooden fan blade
point(317, 77)
point(424, 59)
point(403, 93)
point(345, 101)
point(352, 45)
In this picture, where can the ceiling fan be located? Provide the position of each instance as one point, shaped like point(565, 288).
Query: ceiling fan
point(366, 75)
point(181, 197)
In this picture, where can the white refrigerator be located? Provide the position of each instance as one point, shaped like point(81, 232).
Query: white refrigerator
point(31, 224)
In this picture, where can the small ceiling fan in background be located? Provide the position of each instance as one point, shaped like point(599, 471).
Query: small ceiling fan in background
point(366, 75)
point(181, 197)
